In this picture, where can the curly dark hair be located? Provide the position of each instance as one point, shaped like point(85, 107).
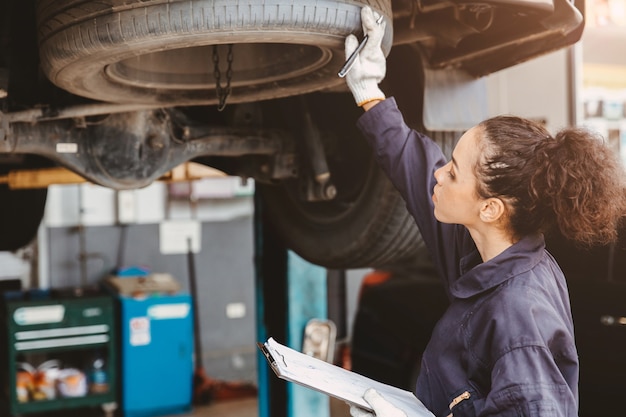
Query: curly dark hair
point(572, 181)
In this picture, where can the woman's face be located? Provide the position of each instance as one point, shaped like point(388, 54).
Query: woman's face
point(454, 196)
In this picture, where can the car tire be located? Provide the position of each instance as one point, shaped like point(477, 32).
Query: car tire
point(21, 213)
point(373, 229)
point(22, 210)
point(160, 52)
point(367, 223)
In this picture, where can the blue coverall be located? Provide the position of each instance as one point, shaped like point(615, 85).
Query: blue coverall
point(505, 346)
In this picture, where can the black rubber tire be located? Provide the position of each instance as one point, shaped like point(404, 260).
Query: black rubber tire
point(153, 51)
point(367, 224)
point(21, 213)
point(373, 230)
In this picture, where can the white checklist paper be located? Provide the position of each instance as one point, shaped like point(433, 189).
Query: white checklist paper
point(294, 366)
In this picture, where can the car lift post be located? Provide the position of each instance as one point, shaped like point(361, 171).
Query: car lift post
point(289, 292)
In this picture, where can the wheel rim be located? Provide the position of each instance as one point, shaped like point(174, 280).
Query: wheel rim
point(194, 68)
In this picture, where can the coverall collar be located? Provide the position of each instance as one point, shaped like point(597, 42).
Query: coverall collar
point(477, 276)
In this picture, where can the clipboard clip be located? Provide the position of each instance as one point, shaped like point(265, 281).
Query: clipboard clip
point(268, 354)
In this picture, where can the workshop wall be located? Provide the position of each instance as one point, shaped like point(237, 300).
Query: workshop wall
point(541, 89)
point(83, 242)
point(16, 268)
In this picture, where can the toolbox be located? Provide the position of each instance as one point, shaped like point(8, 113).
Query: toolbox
point(156, 353)
point(59, 352)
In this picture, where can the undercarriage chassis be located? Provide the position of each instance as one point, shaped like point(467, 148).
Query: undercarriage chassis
point(121, 92)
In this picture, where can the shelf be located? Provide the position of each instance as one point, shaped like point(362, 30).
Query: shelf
point(90, 400)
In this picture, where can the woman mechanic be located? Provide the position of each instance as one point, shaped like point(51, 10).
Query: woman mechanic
point(505, 346)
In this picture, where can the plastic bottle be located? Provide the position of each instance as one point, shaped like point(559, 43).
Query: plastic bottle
point(98, 376)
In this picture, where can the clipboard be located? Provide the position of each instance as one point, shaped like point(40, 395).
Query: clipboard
point(335, 381)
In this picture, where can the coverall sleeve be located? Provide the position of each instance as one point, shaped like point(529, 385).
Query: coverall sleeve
point(532, 352)
point(410, 159)
point(527, 383)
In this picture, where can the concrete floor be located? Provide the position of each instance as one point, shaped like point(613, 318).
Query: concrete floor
point(249, 408)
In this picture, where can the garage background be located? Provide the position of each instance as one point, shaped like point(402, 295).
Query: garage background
point(89, 230)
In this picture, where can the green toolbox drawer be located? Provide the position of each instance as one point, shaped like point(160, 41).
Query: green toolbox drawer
point(60, 353)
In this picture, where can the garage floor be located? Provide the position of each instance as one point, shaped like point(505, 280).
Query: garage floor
point(238, 408)
point(248, 408)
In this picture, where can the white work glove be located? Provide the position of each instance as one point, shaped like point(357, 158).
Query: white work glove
point(382, 407)
point(370, 66)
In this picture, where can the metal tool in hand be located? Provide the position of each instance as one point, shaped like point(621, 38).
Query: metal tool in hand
point(350, 61)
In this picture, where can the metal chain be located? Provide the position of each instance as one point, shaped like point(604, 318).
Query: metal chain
point(222, 92)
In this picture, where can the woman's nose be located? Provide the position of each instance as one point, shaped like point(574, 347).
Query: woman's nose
point(437, 174)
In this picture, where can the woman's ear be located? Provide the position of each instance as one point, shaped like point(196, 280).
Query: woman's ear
point(492, 210)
